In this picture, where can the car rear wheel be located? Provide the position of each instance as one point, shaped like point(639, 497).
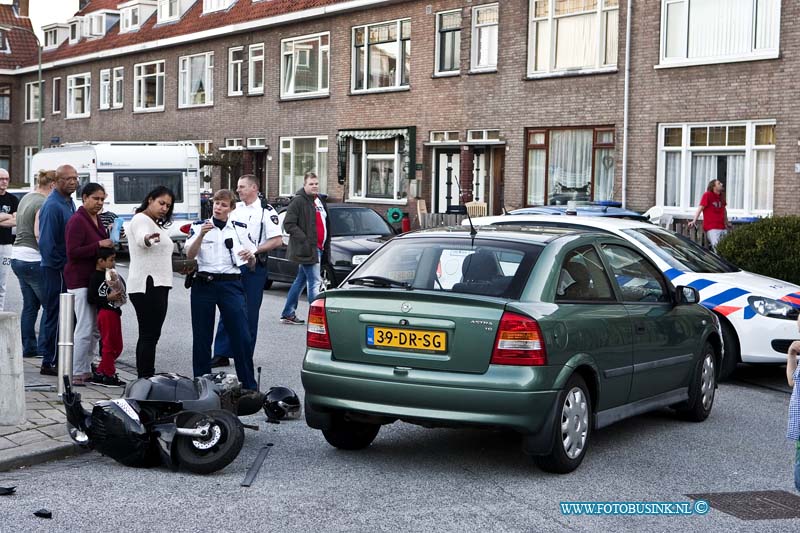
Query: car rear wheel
point(702, 389)
point(350, 435)
point(731, 347)
point(572, 429)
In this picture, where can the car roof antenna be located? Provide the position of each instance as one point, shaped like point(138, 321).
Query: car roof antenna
point(472, 231)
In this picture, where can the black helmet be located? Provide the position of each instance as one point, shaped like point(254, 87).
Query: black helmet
point(281, 403)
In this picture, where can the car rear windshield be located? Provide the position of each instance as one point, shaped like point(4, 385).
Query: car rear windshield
point(487, 267)
point(357, 221)
point(679, 252)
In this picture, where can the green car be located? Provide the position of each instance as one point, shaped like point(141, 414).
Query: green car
point(550, 332)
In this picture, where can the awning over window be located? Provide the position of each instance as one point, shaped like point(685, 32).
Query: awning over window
point(373, 135)
point(408, 156)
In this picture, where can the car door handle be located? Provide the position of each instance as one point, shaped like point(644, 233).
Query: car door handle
point(640, 328)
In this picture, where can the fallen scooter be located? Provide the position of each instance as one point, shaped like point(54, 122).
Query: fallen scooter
point(167, 419)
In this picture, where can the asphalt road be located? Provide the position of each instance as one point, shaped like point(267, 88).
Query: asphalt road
point(413, 478)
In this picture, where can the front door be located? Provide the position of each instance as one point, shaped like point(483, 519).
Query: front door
point(481, 167)
point(447, 172)
point(259, 169)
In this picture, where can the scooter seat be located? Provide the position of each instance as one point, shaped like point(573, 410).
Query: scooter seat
point(195, 395)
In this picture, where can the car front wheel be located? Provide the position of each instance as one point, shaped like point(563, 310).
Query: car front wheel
point(572, 429)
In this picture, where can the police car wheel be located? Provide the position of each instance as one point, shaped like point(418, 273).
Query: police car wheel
point(731, 358)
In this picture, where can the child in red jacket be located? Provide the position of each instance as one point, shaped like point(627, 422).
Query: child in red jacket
point(107, 293)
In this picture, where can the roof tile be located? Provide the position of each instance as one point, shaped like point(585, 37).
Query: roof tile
point(23, 44)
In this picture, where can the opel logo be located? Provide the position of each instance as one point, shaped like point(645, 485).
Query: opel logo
point(406, 307)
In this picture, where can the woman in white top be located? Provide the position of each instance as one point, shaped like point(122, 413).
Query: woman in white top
point(150, 273)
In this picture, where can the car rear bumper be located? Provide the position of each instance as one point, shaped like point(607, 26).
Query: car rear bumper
point(504, 396)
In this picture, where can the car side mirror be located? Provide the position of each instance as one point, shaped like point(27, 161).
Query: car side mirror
point(688, 295)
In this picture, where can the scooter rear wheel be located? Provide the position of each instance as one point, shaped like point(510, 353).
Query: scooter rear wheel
point(215, 452)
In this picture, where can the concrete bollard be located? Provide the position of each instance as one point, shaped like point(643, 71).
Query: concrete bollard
point(66, 337)
point(12, 376)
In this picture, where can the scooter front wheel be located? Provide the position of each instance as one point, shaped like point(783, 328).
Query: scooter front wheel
point(204, 455)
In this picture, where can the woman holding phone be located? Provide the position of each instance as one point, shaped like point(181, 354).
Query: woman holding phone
point(150, 273)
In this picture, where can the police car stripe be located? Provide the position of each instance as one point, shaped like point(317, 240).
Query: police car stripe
point(701, 284)
point(723, 297)
point(673, 273)
point(749, 313)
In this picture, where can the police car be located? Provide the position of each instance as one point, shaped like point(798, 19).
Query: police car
point(757, 314)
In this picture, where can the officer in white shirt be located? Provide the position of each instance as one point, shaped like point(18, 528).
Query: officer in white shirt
point(264, 232)
point(221, 246)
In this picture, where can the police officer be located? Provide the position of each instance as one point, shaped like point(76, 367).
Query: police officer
point(264, 233)
point(220, 246)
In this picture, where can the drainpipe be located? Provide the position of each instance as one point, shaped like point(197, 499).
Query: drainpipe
point(625, 111)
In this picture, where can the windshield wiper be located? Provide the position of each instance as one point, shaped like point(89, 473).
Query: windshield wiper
point(379, 281)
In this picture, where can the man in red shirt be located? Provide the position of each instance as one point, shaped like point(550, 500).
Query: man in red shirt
point(715, 215)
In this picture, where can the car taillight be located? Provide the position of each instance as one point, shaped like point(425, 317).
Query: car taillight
point(519, 342)
point(186, 228)
point(317, 335)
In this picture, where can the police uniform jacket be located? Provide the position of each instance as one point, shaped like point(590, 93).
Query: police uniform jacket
point(214, 256)
point(262, 223)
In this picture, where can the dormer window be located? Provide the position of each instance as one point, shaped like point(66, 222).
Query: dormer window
point(130, 19)
point(51, 38)
point(97, 25)
point(75, 31)
point(210, 6)
point(168, 10)
point(4, 46)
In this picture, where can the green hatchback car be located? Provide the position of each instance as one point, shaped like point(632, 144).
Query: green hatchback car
point(550, 332)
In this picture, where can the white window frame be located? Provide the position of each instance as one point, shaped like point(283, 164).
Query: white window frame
point(76, 25)
point(233, 144)
point(185, 81)
point(97, 25)
point(56, 96)
point(450, 137)
point(754, 55)
point(30, 151)
point(31, 111)
point(105, 88)
point(139, 85)
point(398, 81)
point(482, 136)
point(211, 6)
point(322, 49)
point(749, 148)
point(126, 19)
point(438, 45)
point(118, 87)
point(287, 150)
point(475, 45)
point(164, 12)
point(551, 19)
point(72, 87)
point(5, 44)
point(235, 71)
point(255, 54)
point(256, 143)
point(365, 158)
point(51, 39)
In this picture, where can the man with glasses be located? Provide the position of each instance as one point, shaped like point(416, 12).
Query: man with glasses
point(8, 219)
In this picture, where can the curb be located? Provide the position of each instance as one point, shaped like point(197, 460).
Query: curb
point(37, 453)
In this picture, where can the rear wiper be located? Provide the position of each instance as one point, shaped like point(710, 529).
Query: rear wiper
point(379, 281)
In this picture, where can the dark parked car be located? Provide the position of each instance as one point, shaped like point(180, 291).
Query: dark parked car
point(356, 232)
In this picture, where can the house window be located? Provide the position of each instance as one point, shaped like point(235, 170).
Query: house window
point(97, 25)
point(256, 143)
point(105, 89)
point(448, 42)
point(235, 60)
point(51, 38)
point(485, 26)
point(168, 10)
point(718, 31)
point(375, 168)
point(444, 137)
point(300, 155)
point(382, 55)
point(569, 165)
point(255, 69)
point(196, 80)
point(148, 86)
point(130, 19)
point(483, 135)
point(210, 6)
point(118, 87)
point(5, 103)
point(305, 66)
point(56, 96)
point(30, 151)
point(5, 157)
point(79, 95)
point(4, 44)
point(32, 103)
point(74, 32)
point(739, 154)
point(234, 144)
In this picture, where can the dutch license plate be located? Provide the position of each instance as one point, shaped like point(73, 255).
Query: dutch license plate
point(407, 339)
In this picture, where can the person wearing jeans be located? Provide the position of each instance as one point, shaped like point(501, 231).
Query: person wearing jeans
point(8, 219)
point(150, 273)
point(53, 217)
point(26, 262)
point(308, 226)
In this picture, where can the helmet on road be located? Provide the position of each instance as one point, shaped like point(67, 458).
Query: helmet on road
point(281, 403)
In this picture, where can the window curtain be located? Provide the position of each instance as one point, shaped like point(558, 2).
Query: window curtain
point(704, 169)
point(288, 69)
point(576, 44)
point(719, 27)
point(536, 168)
point(604, 174)
point(734, 182)
point(570, 167)
point(765, 176)
point(766, 24)
point(197, 76)
point(672, 179)
point(612, 37)
point(676, 30)
point(5, 108)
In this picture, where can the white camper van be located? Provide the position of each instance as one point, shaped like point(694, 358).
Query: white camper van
point(129, 170)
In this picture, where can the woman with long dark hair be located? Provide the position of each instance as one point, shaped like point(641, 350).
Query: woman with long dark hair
point(84, 235)
point(150, 273)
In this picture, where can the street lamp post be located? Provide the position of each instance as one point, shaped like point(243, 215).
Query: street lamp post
point(7, 28)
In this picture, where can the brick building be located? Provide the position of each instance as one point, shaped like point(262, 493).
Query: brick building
point(521, 102)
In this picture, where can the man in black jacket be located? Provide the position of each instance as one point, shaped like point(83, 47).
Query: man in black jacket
point(309, 232)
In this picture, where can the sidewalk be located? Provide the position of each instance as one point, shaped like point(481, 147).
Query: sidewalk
point(43, 437)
